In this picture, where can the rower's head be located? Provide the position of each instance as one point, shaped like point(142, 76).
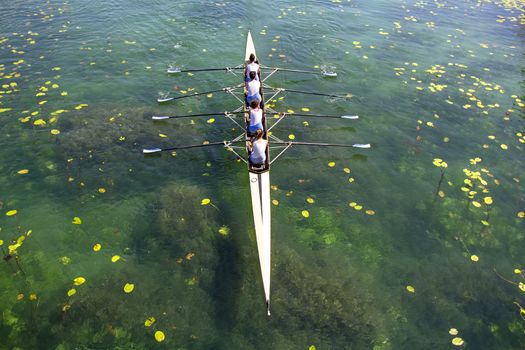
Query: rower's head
point(252, 75)
point(258, 133)
point(254, 104)
point(252, 58)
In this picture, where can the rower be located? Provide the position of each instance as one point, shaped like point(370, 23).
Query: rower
point(253, 88)
point(252, 66)
point(257, 149)
point(255, 119)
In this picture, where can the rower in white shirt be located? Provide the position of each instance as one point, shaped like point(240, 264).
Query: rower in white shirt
point(253, 88)
point(257, 149)
point(252, 66)
point(256, 115)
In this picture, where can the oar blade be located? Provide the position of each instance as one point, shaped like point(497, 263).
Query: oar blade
point(329, 74)
point(361, 145)
point(173, 70)
point(160, 117)
point(164, 99)
point(350, 117)
point(151, 150)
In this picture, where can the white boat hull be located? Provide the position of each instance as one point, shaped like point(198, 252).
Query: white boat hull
point(260, 190)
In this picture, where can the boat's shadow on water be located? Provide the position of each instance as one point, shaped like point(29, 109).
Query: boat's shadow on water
point(226, 285)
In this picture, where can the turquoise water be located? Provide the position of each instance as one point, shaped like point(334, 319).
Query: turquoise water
point(385, 259)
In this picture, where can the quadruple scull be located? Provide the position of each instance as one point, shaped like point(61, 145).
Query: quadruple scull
point(259, 175)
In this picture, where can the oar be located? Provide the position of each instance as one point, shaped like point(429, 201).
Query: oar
point(162, 117)
point(166, 99)
point(156, 150)
point(173, 70)
point(322, 115)
point(355, 145)
point(325, 73)
point(312, 93)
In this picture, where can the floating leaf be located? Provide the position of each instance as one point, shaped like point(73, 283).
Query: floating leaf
point(370, 212)
point(149, 321)
point(521, 214)
point(305, 213)
point(55, 131)
point(159, 336)
point(79, 281)
point(457, 341)
point(71, 292)
point(77, 220)
point(517, 271)
point(305, 109)
point(209, 95)
point(487, 200)
point(411, 289)
point(128, 287)
point(476, 204)
point(39, 122)
point(347, 170)
point(275, 202)
point(97, 247)
point(291, 137)
point(11, 212)
point(521, 286)
point(32, 296)
point(312, 347)
point(2, 110)
point(205, 201)
point(453, 331)
point(504, 146)
point(224, 230)
point(163, 135)
point(211, 120)
point(331, 164)
point(310, 200)
point(474, 258)
point(115, 258)
point(101, 190)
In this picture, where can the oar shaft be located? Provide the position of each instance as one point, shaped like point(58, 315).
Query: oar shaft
point(208, 69)
point(192, 115)
point(321, 144)
point(312, 93)
point(156, 150)
point(292, 70)
point(324, 116)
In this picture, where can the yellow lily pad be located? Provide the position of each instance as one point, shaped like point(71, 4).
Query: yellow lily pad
point(71, 292)
point(97, 247)
point(411, 289)
point(159, 336)
point(205, 201)
point(128, 287)
point(457, 341)
point(11, 212)
point(149, 321)
point(77, 220)
point(115, 258)
point(305, 213)
point(79, 281)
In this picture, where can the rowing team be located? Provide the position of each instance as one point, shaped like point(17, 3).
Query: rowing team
point(257, 145)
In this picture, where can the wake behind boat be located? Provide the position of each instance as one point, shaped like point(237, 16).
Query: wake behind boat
point(259, 174)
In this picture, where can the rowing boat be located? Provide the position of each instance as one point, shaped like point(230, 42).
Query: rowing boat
point(259, 175)
point(260, 193)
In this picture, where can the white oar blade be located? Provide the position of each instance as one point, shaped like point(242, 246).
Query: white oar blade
point(330, 74)
point(172, 70)
point(151, 150)
point(160, 117)
point(350, 116)
point(361, 145)
point(164, 99)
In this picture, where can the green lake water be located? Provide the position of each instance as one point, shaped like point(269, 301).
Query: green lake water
point(396, 251)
